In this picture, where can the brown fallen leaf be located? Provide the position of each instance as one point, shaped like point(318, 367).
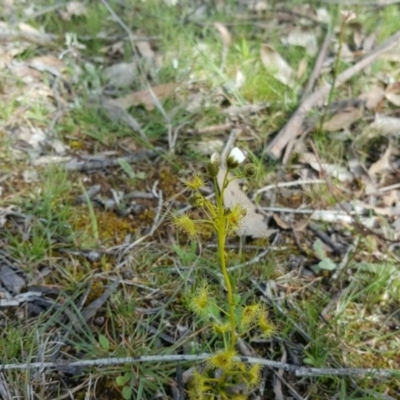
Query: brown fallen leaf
point(49, 61)
point(73, 9)
point(393, 98)
point(392, 93)
point(343, 119)
point(383, 164)
point(280, 222)
point(391, 198)
point(252, 223)
point(225, 35)
point(145, 98)
point(381, 126)
point(279, 67)
point(303, 38)
point(145, 50)
point(373, 97)
point(336, 171)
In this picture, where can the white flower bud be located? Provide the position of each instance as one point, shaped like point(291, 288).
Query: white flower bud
point(237, 155)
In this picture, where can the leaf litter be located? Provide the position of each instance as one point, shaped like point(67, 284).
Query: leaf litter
point(105, 119)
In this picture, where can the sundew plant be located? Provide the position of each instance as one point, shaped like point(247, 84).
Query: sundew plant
point(222, 376)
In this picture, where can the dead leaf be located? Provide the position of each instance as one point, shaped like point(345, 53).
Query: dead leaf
point(391, 198)
point(207, 147)
point(11, 280)
point(343, 119)
point(373, 97)
point(30, 175)
point(369, 42)
point(145, 98)
point(50, 159)
point(383, 125)
point(5, 212)
point(253, 222)
point(245, 109)
point(392, 93)
point(225, 35)
point(273, 62)
point(73, 9)
point(280, 222)
point(257, 6)
point(34, 136)
point(336, 171)
point(302, 68)
point(49, 63)
point(114, 50)
point(393, 98)
point(302, 38)
point(323, 15)
point(120, 75)
point(29, 29)
point(145, 50)
point(393, 88)
point(383, 164)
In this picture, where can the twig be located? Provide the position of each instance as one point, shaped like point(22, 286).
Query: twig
point(293, 127)
point(95, 162)
point(388, 188)
point(298, 370)
point(288, 184)
point(107, 362)
point(317, 66)
point(334, 213)
point(382, 373)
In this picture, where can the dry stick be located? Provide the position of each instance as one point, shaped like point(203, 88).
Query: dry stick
point(297, 370)
point(293, 127)
point(317, 66)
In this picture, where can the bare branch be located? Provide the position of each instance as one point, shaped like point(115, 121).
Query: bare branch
point(297, 370)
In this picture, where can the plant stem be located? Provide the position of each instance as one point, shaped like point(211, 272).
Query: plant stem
point(221, 230)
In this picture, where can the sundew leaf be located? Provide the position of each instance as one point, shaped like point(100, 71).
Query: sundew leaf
point(319, 249)
point(104, 343)
point(327, 264)
point(123, 379)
